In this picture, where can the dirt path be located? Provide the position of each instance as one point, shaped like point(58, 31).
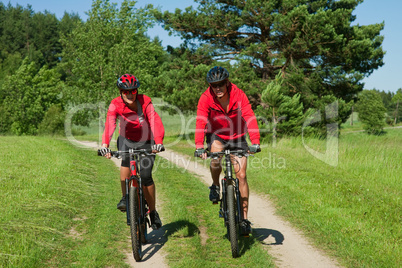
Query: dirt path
point(286, 244)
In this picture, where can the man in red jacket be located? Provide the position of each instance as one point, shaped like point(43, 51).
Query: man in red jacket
point(140, 128)
point(224, 116)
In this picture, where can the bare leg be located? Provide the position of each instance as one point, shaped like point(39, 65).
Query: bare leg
point(149, 192)
point(124, 173)
point(216, 167)
point(240, 167)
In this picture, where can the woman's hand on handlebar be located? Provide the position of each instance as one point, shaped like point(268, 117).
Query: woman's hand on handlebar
point(157, 148)
point(105, 151)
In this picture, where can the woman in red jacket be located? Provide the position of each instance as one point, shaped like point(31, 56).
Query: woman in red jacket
point(141, 128)
point(224, 116)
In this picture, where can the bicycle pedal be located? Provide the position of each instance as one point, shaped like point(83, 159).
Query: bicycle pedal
point(215, 202)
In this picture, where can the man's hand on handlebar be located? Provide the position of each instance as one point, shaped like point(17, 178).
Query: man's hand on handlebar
point(255, 148)
point(200, 152)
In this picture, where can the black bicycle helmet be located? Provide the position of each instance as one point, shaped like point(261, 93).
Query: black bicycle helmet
point(217, 74)
point(127, 82)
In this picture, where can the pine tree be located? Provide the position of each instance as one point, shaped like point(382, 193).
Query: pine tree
point(283, 112)
point(397, 99)
point(371, 111)
point(313, 43)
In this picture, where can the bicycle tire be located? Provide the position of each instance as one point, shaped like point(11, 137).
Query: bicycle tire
point(232, 226)
point(144, 229)
point(135, 223)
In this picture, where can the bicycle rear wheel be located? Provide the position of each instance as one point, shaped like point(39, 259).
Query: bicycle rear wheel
point(135, 223)
point(232, 226)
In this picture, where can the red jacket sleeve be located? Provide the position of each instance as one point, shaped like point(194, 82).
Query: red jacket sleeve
point(110, 124)
point(251, 120)
point(155, 123)
point(201, 121)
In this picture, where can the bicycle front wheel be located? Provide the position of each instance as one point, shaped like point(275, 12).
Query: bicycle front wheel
point(232, 226)
point(144, 222)
point(135, 223)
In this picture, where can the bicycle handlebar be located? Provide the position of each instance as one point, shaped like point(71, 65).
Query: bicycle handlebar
point(117, 154)
point(224, 152)
point(228, 152)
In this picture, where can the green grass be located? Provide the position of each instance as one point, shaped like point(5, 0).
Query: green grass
point(351, 210)
point(57, 206)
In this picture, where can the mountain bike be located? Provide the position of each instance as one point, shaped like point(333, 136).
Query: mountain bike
point(137, 211)
point(230, 203)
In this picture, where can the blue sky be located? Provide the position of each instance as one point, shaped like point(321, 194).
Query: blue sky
point(386, 78)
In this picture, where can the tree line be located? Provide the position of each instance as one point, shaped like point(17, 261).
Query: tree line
point(290, 57)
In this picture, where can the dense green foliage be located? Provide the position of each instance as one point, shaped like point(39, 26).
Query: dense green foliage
point(110, 43)
point(321, 56)
point(36, 36)
point(26, 97)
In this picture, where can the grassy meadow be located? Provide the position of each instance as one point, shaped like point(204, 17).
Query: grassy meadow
point(352, 209)
point(57, 202)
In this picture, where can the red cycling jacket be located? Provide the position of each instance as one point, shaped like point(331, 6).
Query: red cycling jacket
point(212, 118)
point(134, 126)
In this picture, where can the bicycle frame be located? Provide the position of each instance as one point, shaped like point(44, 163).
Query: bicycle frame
point(230, 180)
point(135, 181)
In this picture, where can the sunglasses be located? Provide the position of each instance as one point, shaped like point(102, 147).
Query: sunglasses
point(126, 92)
point(219, 84)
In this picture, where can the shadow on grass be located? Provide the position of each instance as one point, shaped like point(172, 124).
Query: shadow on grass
point(158, 238)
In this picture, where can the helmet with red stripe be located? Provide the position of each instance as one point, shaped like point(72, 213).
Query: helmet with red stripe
point(127, 82)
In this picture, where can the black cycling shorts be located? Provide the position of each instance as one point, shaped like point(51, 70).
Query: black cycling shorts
point(146, 162)
point(238, 144)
